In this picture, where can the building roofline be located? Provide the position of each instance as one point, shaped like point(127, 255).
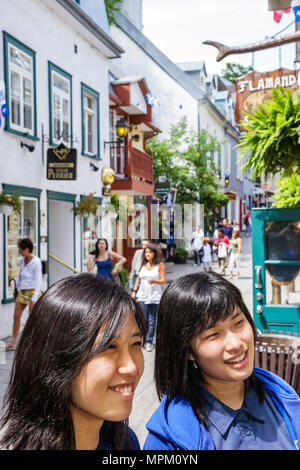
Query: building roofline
point(157, 56)
point(76, 11)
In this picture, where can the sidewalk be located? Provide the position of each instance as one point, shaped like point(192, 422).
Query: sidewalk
point(146, 401)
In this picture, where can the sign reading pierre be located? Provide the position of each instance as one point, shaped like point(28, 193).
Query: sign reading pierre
point(61, 163)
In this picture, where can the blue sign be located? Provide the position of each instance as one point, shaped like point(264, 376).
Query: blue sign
point(296, 11)
point(4, 111)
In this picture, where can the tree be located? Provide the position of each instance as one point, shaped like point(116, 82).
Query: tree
point(186, 158)
point(111, 7)
point(233, 71)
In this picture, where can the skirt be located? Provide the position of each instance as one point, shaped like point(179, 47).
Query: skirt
point(24, 296)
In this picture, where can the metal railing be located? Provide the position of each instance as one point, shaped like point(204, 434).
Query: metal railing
point(62, 262)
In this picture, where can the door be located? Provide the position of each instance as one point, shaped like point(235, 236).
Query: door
point(61, 239)
point(276, 269)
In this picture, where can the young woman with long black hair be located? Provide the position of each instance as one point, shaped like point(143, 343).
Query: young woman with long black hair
point(211, 395)
point(75, 370)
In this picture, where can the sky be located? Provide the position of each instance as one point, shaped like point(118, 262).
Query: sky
point(179, 27)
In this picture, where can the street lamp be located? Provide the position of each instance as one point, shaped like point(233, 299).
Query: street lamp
point(122, 130)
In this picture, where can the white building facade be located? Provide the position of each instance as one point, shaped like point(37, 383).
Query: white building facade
point(54, 59)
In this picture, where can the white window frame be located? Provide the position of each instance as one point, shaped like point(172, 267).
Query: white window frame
point(90, 112)
point(23, 74)
point(62, 95)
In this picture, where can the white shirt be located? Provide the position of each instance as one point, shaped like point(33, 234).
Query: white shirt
point(206, 258)
point(136, 263)
point(198, 243)
point(30, 276)
point(149, 293)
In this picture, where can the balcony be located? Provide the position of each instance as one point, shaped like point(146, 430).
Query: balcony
point(133, 170)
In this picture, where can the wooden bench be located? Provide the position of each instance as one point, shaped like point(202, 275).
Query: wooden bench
point(279, 354)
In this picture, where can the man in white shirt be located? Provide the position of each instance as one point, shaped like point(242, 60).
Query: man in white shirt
point(136, 263)
point(28, 284)
point(197, 244)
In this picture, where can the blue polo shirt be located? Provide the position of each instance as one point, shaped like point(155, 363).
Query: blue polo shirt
point(228, 231)
point(255, 426)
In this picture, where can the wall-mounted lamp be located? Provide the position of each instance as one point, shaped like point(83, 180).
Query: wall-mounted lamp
point(136, 137)
point(93, 167)
point(29, 147)
point(122, 129)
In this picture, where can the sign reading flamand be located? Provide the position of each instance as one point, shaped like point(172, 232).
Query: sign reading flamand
point(255, 88)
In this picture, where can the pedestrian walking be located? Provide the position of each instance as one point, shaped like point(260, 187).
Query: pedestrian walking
point(104, 260)
point(77, 365)
point(248, 223)
point(235, 226)
point(28, 284)
point(212, 396)
point(227, 228)
point(235, 253)
point(148, 288)
point(207, 255)
point(222, 244)
point(197, 244)
point(136, 263)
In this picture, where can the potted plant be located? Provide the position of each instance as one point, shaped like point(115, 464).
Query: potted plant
point(271, 144)
point(9, 203)
point(181, 255)
point(87, 206)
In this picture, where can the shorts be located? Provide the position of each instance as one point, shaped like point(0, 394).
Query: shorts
point(24, 296)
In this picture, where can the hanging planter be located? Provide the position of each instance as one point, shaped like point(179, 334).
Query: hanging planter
point(88, 206)
point(9, 203)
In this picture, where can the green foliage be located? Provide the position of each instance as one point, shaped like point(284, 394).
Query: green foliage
point(288, 193)
point(87, 206)
point(186, 158)
point(233, 71)
point(11, 200)
point(273, 137)
point(111, 7)
point(124, 276)
point(181, 255)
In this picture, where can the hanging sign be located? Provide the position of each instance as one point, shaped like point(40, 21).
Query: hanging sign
point(61, 163)
point(254, 88)
point(3, 106)
point(162, 188)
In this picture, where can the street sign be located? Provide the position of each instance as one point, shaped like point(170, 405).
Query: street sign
point(162, 188)
point(61, 163)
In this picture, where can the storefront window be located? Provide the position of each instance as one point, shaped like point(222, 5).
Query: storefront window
point(18, 227)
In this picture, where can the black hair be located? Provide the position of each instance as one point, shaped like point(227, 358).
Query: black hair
point(157, 253)
point(26, 243)
point(57, 342)
point(96, 250)
point(192, 303)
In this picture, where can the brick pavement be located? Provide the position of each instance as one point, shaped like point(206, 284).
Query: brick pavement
point(146, 401)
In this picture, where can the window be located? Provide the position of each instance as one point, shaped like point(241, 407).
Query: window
point(19, 66)
point(16, 227)
point(60, 100)
point(90, 122)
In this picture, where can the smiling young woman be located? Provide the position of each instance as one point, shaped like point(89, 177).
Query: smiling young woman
point(211, 395)
point(76, 368)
